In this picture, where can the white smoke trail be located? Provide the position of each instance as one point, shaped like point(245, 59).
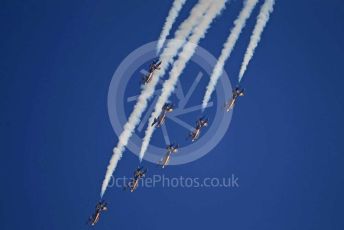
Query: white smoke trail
point(178, 67)
point(239, 24)
point(172, 15)
point(166, 57)
point(262, 19)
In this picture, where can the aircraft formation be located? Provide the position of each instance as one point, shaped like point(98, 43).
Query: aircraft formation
point(177, 53)
point(141, 172)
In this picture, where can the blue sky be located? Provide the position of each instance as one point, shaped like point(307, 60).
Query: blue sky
point(284, 142)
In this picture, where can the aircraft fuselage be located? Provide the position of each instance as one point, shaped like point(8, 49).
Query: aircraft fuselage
point(196, 134)
point(166, 160)
point(161, 119)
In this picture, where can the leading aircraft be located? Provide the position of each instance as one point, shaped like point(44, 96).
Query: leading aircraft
point(160, 120)
point(134, 182)
point(101, 206)
point(172, 148)
point(155, 65)
point(236, 94)
point(202, 122)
